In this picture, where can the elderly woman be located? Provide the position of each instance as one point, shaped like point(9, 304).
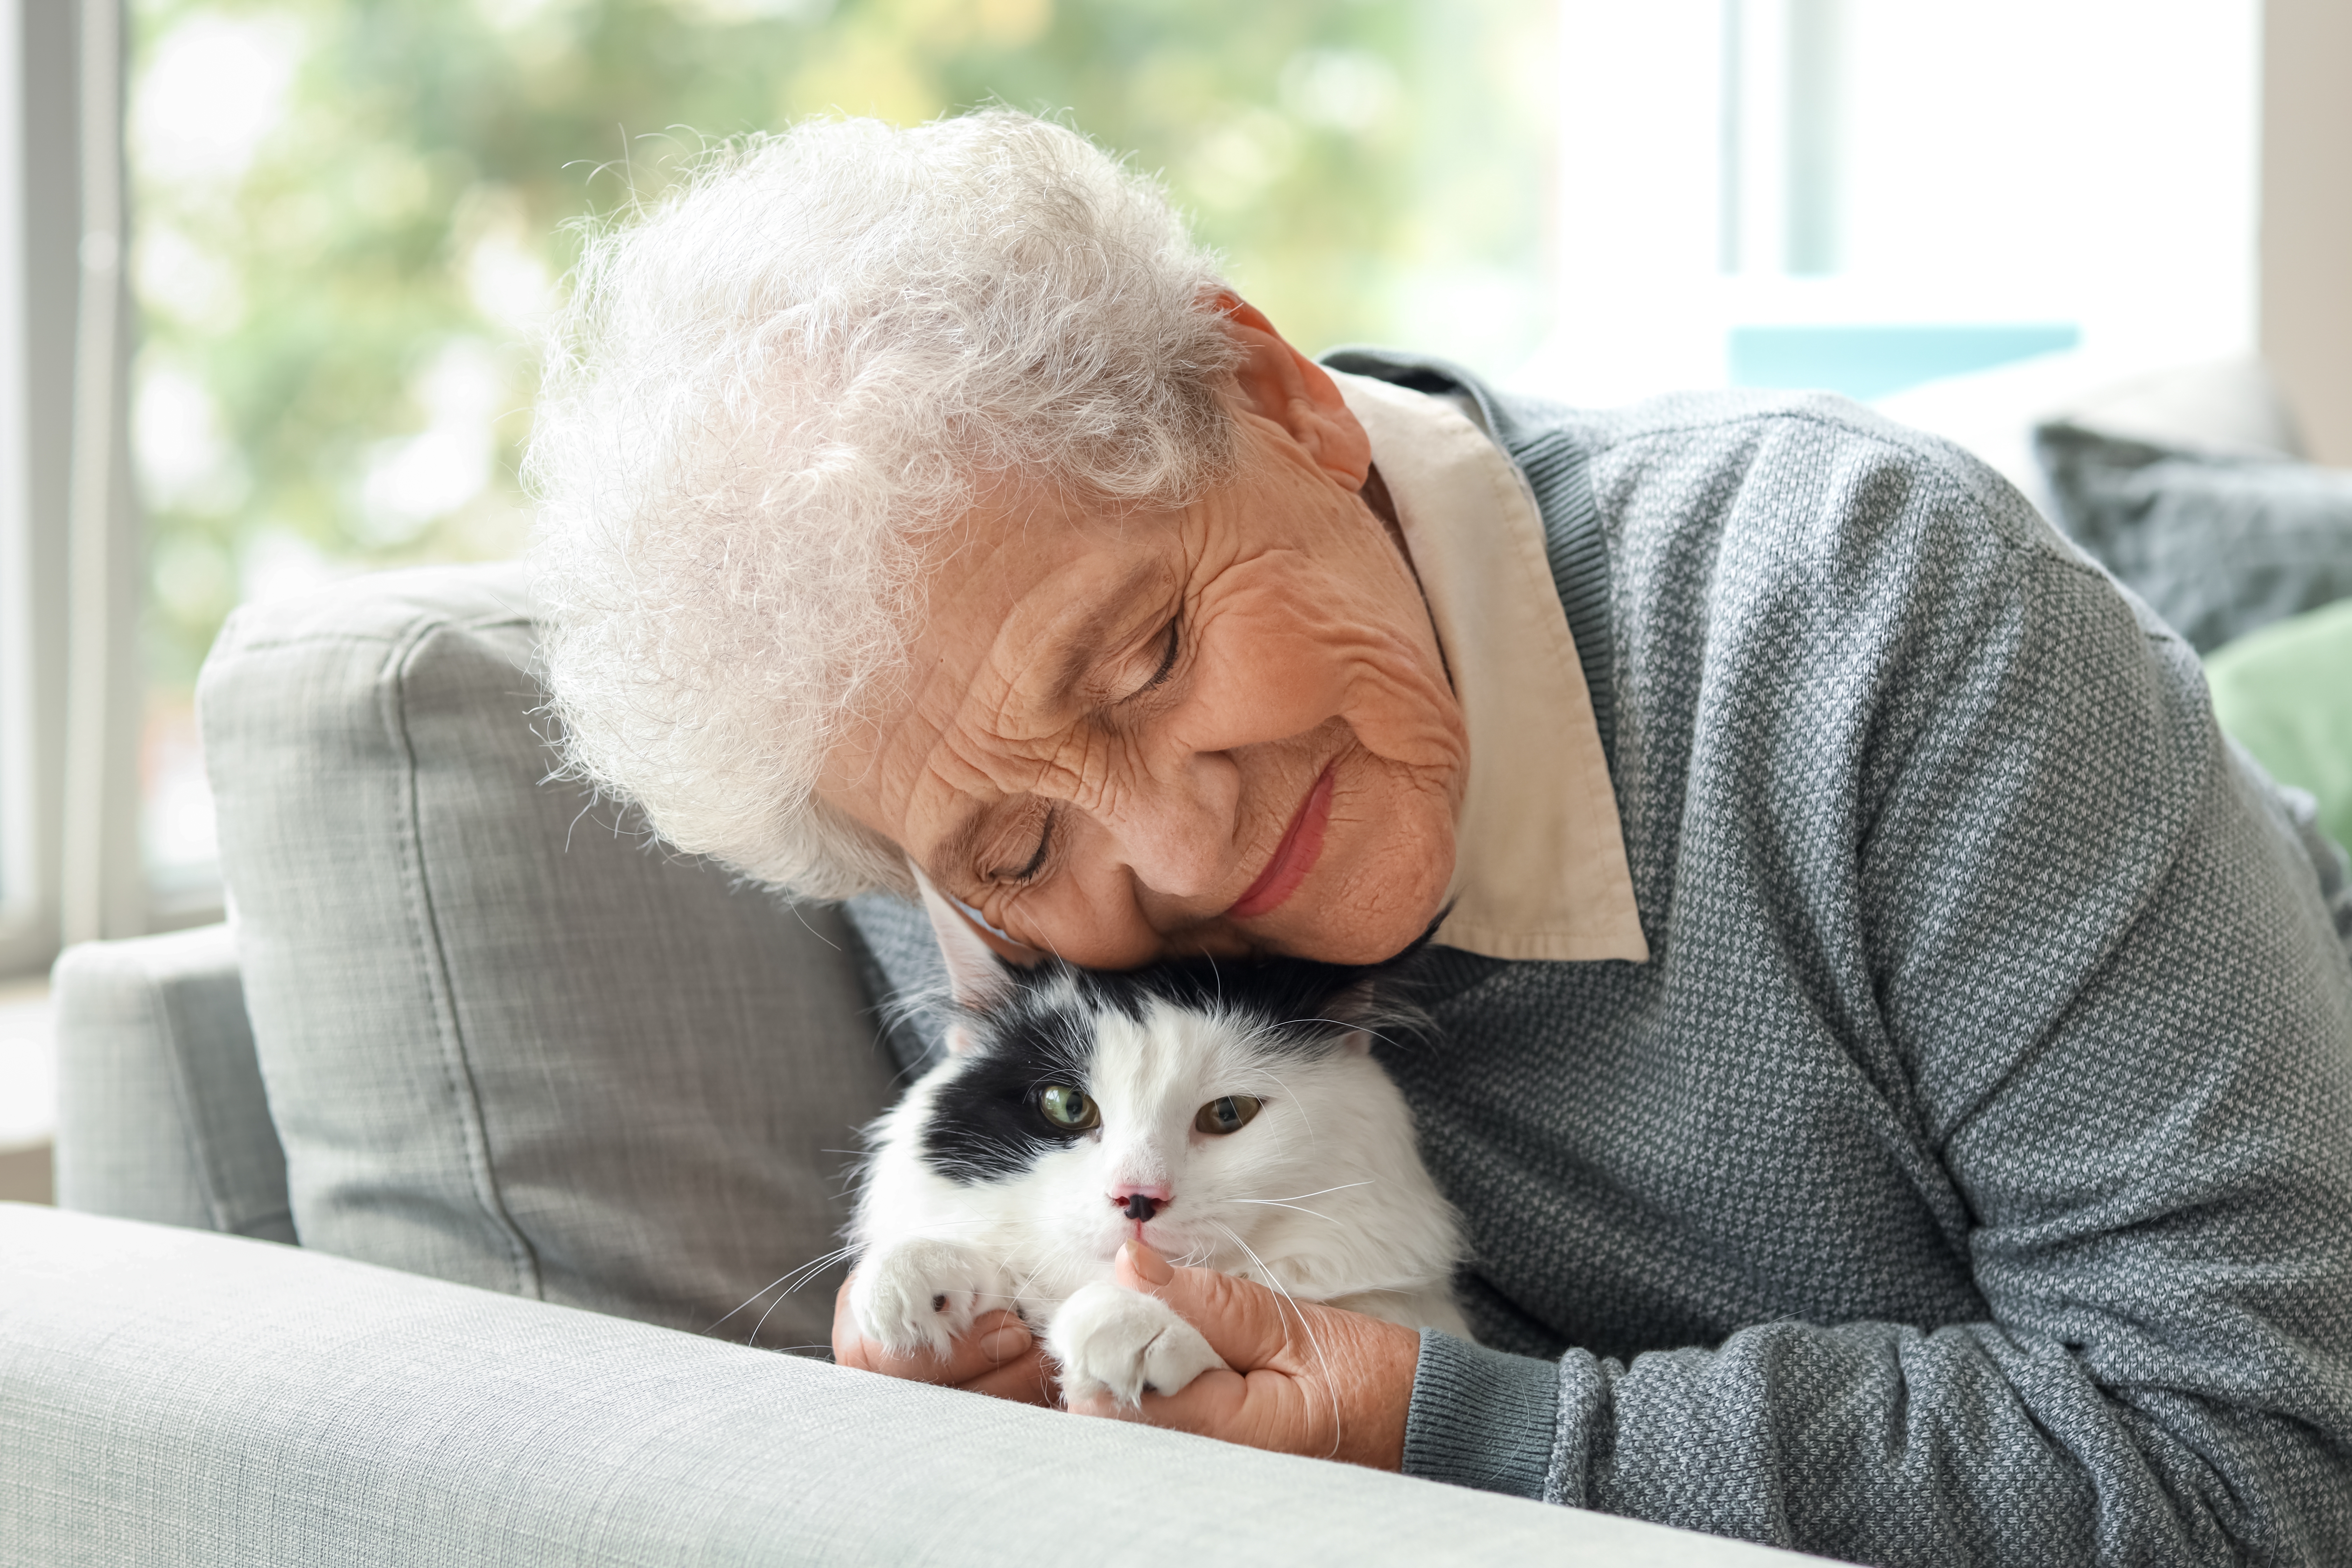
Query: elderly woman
point(1897, 1060)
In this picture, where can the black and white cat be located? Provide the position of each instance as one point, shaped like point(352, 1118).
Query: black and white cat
point(1228, 1115)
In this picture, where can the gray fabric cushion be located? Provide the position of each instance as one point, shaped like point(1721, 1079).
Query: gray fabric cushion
point(506, 1041)
point(167, 1397)
point(160, 1110)
point(2218, 543)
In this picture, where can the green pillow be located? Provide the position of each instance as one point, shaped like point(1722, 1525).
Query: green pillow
point(2285, 693)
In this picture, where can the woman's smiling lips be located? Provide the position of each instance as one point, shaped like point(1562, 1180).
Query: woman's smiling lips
point(1302, 843)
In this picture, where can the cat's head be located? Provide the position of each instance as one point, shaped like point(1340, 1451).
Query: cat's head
point(1188, 1105)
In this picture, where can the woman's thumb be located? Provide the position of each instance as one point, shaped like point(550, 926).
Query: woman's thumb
point(1242, 1321)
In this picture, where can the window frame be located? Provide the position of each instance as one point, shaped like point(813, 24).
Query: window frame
point(43, 76)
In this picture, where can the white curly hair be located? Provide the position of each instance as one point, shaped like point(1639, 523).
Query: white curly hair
point(768, 394)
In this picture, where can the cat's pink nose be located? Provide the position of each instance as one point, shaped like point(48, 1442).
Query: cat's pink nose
point(1141, 1203)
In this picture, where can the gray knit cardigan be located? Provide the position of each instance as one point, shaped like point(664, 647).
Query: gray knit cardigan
point(1968, 1177)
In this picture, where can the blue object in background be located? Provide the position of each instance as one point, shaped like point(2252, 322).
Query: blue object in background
point(1865, 362)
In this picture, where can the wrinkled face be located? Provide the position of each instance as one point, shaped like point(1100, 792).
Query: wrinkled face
point(1220, 730)
point(1186, 1130)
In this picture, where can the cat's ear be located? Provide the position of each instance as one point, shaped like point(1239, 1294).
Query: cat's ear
point(976, 976)
point(1356, 1042)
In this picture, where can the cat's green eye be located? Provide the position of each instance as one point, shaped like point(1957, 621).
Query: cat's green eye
point(1230, 1114)
point(1069, 1109)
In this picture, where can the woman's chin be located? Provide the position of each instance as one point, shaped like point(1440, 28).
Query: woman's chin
point(1360, 943)
point(1372, 919)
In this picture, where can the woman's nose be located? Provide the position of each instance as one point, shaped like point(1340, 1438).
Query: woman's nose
point(1175, 827)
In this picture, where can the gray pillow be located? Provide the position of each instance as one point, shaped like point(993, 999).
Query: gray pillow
point(506, 1041)
point(2218, 544)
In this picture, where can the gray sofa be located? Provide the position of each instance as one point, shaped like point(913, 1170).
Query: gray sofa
point(553, 1116)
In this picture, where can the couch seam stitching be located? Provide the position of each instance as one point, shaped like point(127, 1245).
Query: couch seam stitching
point(432, 958)
point(165, 1024)
point(393, 640)
point(229, 1217)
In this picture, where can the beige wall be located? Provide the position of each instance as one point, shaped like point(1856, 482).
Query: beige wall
point(2306, 230)
point(25, 1176)
point(27, 1078)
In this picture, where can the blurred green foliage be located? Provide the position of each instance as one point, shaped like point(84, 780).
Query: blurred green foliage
point(351, 213)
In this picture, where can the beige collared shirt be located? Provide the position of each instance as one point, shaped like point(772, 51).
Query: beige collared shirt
point(1539, 866)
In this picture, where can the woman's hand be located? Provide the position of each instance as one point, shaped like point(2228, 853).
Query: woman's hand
point(1306, 1379)
point(997, 1356)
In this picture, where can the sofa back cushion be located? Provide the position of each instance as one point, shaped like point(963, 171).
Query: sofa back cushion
point(2218, 543)
point(506, 1039)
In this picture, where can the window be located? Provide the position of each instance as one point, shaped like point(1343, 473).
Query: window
point(37, 267)
point(1867, 193)
point(18, 881)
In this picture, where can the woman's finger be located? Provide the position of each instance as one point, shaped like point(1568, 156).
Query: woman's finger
point(1262, 1409)
point(1246, 1324)
point(995, 1343)
point(1026, 1380)
point(1306, 1380)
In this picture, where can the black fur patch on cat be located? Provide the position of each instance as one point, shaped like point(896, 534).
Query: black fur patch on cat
point(986, 1123)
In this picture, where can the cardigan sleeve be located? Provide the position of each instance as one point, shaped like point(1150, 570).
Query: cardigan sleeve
point(1481, 1418)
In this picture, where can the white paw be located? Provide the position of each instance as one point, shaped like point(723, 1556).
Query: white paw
point(1123, 1342)
point(915, 1294)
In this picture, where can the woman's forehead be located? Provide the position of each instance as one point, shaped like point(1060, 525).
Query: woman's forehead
point(1019, 610)
point(1035, 590)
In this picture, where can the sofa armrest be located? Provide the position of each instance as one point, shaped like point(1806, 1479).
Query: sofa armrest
point(170, 1396)
point(161, 1112)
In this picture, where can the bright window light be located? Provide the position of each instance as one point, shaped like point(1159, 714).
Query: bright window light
point(1865, 195)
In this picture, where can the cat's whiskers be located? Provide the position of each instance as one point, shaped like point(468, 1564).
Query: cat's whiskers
point(806, 1272)
point(1351, 1028)
point(1021, 1291)
point(1292, 1203)
point(1275, 1080)
point(1305, 1327)
point(1318, 1192)
point(1295, 1208)
point(799, 1276)
point(792, 1278)
point(763, 1319)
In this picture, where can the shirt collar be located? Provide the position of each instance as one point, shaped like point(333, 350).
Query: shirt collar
point(1539, 856)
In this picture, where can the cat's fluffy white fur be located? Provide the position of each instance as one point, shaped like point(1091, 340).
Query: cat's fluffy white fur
point(1322, 1195)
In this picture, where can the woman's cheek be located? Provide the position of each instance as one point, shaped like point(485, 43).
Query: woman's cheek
point(1259, 679)
point(1089, 914)
point(1288, 686)
point(1288, 645)
point(1387, 865)
point(1400, 712)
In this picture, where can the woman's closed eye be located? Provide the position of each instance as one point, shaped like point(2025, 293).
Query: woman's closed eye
point(1028, 871)
point(1170, 644)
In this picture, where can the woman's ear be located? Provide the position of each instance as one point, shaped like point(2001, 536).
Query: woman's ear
point(1278, 383)
point(977, 977)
